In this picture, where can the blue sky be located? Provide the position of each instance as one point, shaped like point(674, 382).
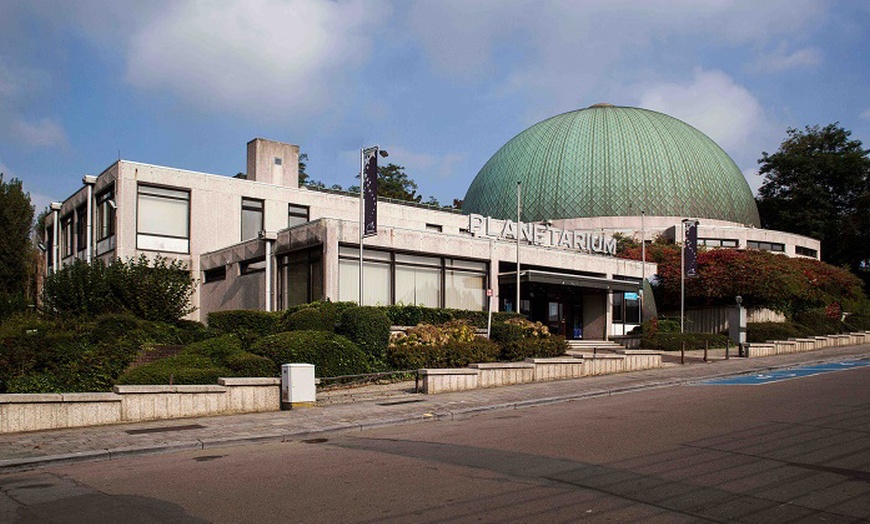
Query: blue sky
point(440, 84)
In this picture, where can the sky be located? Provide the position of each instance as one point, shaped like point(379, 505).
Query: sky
point(440, 84)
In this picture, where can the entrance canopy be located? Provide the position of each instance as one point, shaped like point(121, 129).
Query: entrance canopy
point(565, 279)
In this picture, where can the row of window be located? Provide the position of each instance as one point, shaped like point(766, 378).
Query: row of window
point(163, 219)
point(766, 246)
point(718, 242)
point(754, 244)
point(73, 227)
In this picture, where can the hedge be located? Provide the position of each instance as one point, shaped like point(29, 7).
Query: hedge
point(765, 331)
point(248, 324)
point(332, 355)
point(71, 355)
point(450, 355)
point(674, 341)
point(403, 315)
point(203, 363)
point(368, 328)
point(553, 346)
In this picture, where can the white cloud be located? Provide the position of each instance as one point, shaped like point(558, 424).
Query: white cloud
point(865, 115)
point(781, 59)
point(259, 56)
point(41, 133)
point(726, 112)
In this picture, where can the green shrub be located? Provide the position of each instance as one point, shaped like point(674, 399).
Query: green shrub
point(524, 348)
point(453, 354)
point(332, 355)
point(674, 341)
point(246, 364)
point(817, 322)
point(309, 319)
point(217, 349)
point(858, 322)
point(367, 327)
point(506, 333)
point(246, 323)
point(764, 331)
point(158, 289)
point(409, 315)
point(180, 369)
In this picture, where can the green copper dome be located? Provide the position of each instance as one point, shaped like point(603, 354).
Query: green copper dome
point(612, 161)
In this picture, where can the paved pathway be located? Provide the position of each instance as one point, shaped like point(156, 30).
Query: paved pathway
point(366, 408)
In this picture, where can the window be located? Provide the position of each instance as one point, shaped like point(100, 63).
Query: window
point(376, 272)
point(626, 307)
point(255, 265)
point(718, 242)
point(215, 274)
point(300, 278)
point(163, 219)
point(464, 284)
point(278, 161)
point(66, 236)
point(105, 226)
point(81, 228)
point(805, 251)
point(252, 218)
point(296, 215)
point(766, 246)
point(434, 227)
point(418, 280)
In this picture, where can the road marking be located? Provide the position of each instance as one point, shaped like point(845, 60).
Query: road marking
point(784, 374)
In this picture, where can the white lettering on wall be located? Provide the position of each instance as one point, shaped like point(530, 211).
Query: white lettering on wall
point(541, 235)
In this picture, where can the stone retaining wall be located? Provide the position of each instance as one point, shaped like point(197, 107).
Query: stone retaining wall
point(797, 345)
point(535, 370)
point(32, 412)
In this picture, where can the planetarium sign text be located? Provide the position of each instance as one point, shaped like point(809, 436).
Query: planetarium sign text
point(541, 235)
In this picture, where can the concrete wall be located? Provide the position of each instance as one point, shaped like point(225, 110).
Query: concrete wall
point(32, 412)
point(534, 370)
point(797, 345)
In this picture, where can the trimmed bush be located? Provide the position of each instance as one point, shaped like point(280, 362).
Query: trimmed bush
point(329, 315)
point(368, 328)
point(817, 322)
point(506, 333)
point(764, 331)
point(448, 355)
point(332, 355)
point(523, 348)
point(858, 322)
point(246, 322)
point(180, 369)
point(409, 315)
point(217, 349)
point(246, 364)
point(309, 319)
point(674, 341)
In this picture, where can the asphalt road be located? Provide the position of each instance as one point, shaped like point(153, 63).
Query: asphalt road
point(789, 451)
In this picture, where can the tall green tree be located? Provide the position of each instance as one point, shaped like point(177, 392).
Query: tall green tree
point(16, 249)
point(818, 184)
point(393, 182)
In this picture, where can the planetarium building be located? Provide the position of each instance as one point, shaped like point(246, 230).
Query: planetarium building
point(535, 233)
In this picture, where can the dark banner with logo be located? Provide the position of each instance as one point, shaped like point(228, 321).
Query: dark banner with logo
point(370, 192)
point(690, 249)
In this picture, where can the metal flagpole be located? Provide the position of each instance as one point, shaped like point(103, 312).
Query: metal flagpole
point(519, 211)
point(683, 280)
point(362, 207)
point(643, 260)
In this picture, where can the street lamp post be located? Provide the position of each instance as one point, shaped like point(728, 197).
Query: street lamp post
point(519, 213)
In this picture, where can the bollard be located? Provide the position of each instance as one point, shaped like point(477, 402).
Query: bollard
point(683, 353)
point(706, 346)
point(727, 348)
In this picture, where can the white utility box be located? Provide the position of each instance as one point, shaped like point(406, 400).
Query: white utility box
point(297, 384)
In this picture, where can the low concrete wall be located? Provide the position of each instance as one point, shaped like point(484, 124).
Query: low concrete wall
point(32, 412)
point(535, 370)
point(797, 345)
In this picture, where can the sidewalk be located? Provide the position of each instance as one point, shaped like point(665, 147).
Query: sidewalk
point(370, 407)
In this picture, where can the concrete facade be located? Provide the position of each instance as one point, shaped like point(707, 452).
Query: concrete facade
point(242, 238)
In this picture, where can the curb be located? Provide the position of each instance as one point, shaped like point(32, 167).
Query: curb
point(13, 465)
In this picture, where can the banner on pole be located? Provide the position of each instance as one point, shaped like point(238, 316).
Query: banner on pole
point(690, 248)
point(370, 192)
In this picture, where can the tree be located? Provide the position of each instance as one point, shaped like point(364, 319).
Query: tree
point(303, 163)
point(818, 184)
point(16, 249)
point(393, 182)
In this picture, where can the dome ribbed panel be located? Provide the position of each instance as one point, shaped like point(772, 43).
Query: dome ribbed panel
point(612, 161)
